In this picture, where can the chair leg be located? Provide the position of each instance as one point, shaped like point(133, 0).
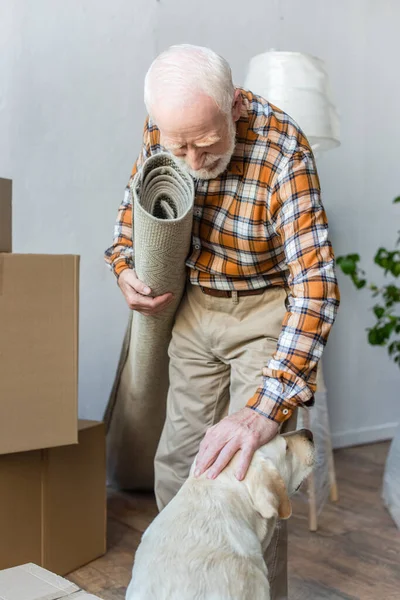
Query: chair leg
point(311, 490)
point(333, 488)
point(312, 511)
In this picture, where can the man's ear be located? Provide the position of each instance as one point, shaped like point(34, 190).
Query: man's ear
point(268, 491)
point(237, 105)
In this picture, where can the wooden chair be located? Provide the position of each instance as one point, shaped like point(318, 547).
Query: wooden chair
point(320, 420)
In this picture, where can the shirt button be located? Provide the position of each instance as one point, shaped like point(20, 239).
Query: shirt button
point(285, 411)
point(198, 212)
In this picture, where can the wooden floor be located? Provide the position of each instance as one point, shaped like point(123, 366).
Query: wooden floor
point(353, 556)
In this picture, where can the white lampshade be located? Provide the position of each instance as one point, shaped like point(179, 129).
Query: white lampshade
point(299, 85)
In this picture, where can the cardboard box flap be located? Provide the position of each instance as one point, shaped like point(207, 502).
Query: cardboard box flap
point(30, 582)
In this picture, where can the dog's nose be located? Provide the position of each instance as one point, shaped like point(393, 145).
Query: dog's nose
point(307, 434)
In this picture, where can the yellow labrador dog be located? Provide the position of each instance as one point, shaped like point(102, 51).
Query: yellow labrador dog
point(208, 543)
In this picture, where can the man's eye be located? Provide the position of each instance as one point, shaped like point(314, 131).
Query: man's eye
point(174, 150)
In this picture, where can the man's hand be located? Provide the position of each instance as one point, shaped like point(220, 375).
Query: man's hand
point(245, 430)
point(138, 295)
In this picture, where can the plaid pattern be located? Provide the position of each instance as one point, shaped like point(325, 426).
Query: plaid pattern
point(260, 224)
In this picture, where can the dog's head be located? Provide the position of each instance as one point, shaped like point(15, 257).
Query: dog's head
point(277, 471)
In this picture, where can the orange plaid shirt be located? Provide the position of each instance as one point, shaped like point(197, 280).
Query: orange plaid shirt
point(260, 224)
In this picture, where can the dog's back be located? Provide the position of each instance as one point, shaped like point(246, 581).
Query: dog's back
point(201, 546)
point(207, 544)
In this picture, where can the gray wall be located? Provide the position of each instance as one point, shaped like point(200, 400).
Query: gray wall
point(71, 115)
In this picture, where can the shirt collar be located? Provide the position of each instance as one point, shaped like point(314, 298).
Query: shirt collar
point(245, 132)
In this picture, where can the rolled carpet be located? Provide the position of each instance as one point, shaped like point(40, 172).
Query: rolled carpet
point(162, 198)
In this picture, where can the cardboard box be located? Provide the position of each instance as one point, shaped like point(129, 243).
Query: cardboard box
point(5, 215)
point(38, 351)
point(53, 504)
point(30, 582)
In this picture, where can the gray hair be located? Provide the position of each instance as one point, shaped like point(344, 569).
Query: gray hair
point(183, 70)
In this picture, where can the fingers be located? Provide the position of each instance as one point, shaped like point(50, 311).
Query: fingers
point(140, 287)
point(244, 431)
point(224, 457)
point(209, 449)
point(128, 278)
point(251, 444)
point(149, 306)
point(217, 455)
point(246, 455)
point(137, 295)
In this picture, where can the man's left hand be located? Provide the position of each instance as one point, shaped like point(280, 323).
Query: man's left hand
point(245, 430)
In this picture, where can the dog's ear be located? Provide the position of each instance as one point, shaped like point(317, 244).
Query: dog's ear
point(279, 488)
point(268, 491)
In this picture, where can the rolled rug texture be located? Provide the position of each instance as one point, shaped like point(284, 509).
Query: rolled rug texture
point(162, 199)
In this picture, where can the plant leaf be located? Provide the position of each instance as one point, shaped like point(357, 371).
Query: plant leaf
point(375, 337)
point(379, 311)
point(381, 258)
point(359, 283)
point(347, 265)
point(388, 328)
point(396, 269)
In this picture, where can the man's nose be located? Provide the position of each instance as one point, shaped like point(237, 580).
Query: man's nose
point(195, 158)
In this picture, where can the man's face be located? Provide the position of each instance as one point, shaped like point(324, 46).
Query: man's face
point(199, 136)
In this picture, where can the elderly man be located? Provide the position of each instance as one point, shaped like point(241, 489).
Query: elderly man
point(261, 294)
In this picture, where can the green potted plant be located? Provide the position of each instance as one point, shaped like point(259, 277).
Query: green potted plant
point(386, 329)
point(384, 332)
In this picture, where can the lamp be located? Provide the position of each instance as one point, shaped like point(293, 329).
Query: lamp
point(299, 85)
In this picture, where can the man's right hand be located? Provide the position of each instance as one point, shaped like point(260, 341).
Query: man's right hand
point(138, 295)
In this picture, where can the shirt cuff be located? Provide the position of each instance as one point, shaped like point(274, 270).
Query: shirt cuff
point(281, 394)
point(120, 266)
point(272, 409)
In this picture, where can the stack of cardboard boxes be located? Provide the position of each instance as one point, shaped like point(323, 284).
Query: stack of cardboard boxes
point(52, 466)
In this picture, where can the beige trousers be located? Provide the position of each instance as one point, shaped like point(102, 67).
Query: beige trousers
point(217, 353)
